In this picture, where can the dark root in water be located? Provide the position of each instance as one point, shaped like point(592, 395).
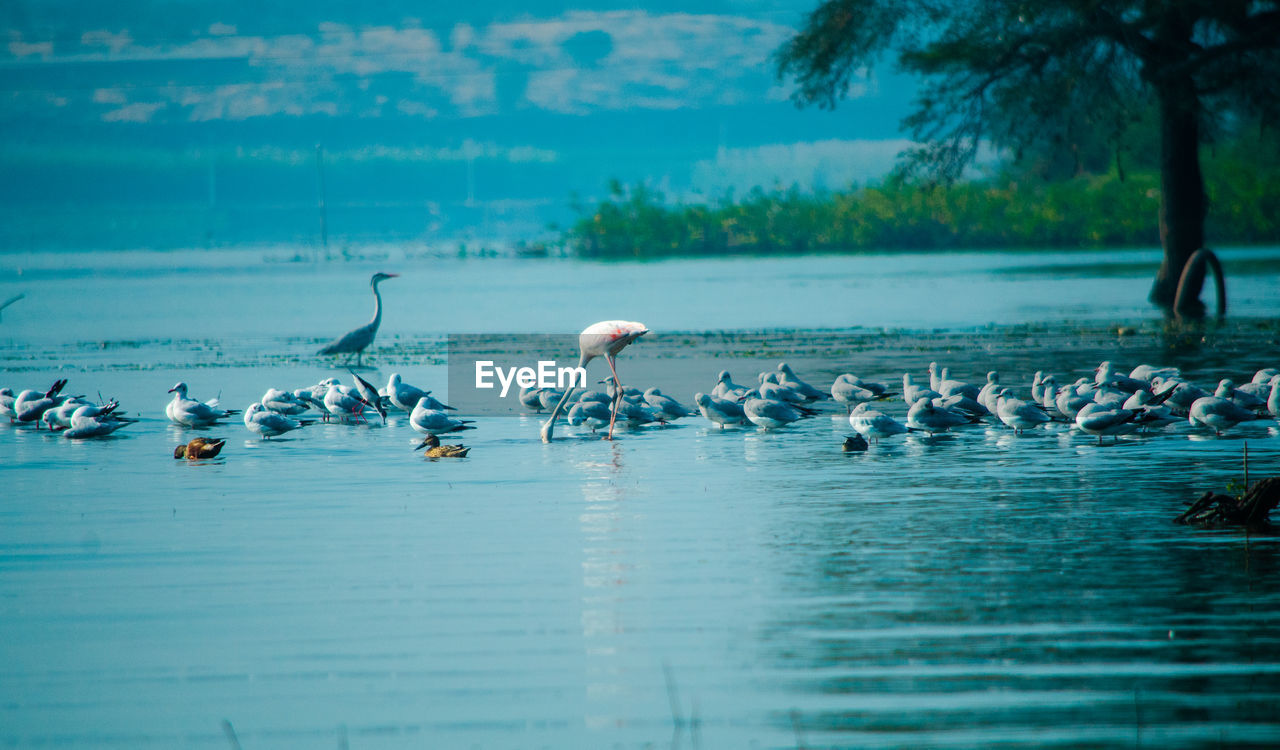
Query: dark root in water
point(1251, 509)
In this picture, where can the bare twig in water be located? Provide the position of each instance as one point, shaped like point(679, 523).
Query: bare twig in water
point(342, 738)
point(1246, 466)
point(230, 731)
point(695, 726)
point(673, 696)
point(1250, 509)
point(1137, 717)
point(795, 726)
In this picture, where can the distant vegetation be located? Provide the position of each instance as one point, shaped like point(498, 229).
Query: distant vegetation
point(1018, 207)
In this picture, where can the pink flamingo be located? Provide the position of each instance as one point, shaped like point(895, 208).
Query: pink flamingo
point(603, 339)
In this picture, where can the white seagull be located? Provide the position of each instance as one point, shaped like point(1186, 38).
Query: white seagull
point(769, 414)
point(404, 396)
point(430, 421)
point(1101, 419)
point(912, 393)
point(846, 391)
point(1218, 413)
point(873, 424)
point(187, 411)
point(1106, 373)
point(727, 389)
point(284, 402)
point(670, 408)
point(926, 417)
point(721, 411)
point(790, 380)
point(1018, 414)
point(342, 403)
point(593, 413)
point(268, 424)
point(30, 405)
point(90, 421)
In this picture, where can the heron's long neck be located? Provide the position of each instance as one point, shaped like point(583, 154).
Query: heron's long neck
point(377, 307)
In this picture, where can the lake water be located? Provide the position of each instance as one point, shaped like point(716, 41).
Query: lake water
point(678, 587)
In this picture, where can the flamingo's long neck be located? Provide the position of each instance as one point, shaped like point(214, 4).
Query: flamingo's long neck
point(548, 427)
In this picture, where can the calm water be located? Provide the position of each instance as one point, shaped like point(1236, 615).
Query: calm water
point(680, 587)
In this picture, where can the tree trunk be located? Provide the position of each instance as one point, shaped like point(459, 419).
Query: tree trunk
point(1182, 199)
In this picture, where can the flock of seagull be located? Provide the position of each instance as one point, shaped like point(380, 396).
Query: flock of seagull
point(280, 411)
point(277, 413)
point(1111, 403)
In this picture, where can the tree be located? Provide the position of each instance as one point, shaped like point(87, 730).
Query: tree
point(1013, 74)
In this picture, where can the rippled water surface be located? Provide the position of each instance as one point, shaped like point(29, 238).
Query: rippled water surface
point(679, 587)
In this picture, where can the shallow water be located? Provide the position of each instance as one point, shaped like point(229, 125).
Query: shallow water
point(679, 587)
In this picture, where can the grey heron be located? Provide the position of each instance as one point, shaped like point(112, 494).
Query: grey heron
point(358, 340)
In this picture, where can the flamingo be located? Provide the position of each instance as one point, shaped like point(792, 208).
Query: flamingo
point(604, 339)
point(358, 340)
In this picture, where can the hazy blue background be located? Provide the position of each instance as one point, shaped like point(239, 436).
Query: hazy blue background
point(157, 124)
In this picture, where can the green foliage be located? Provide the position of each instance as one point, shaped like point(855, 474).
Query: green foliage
point(1014, 209)
point(1063, 78)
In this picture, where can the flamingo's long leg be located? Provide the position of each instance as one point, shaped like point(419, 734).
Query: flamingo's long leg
point(617, 393)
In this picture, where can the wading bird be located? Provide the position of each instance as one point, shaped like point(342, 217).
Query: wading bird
point(358, 340)
point(11, 300)
point(603, 339)
point(369, 393)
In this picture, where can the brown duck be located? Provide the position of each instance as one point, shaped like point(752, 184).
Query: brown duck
point(436, 450)
point(200, 448)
